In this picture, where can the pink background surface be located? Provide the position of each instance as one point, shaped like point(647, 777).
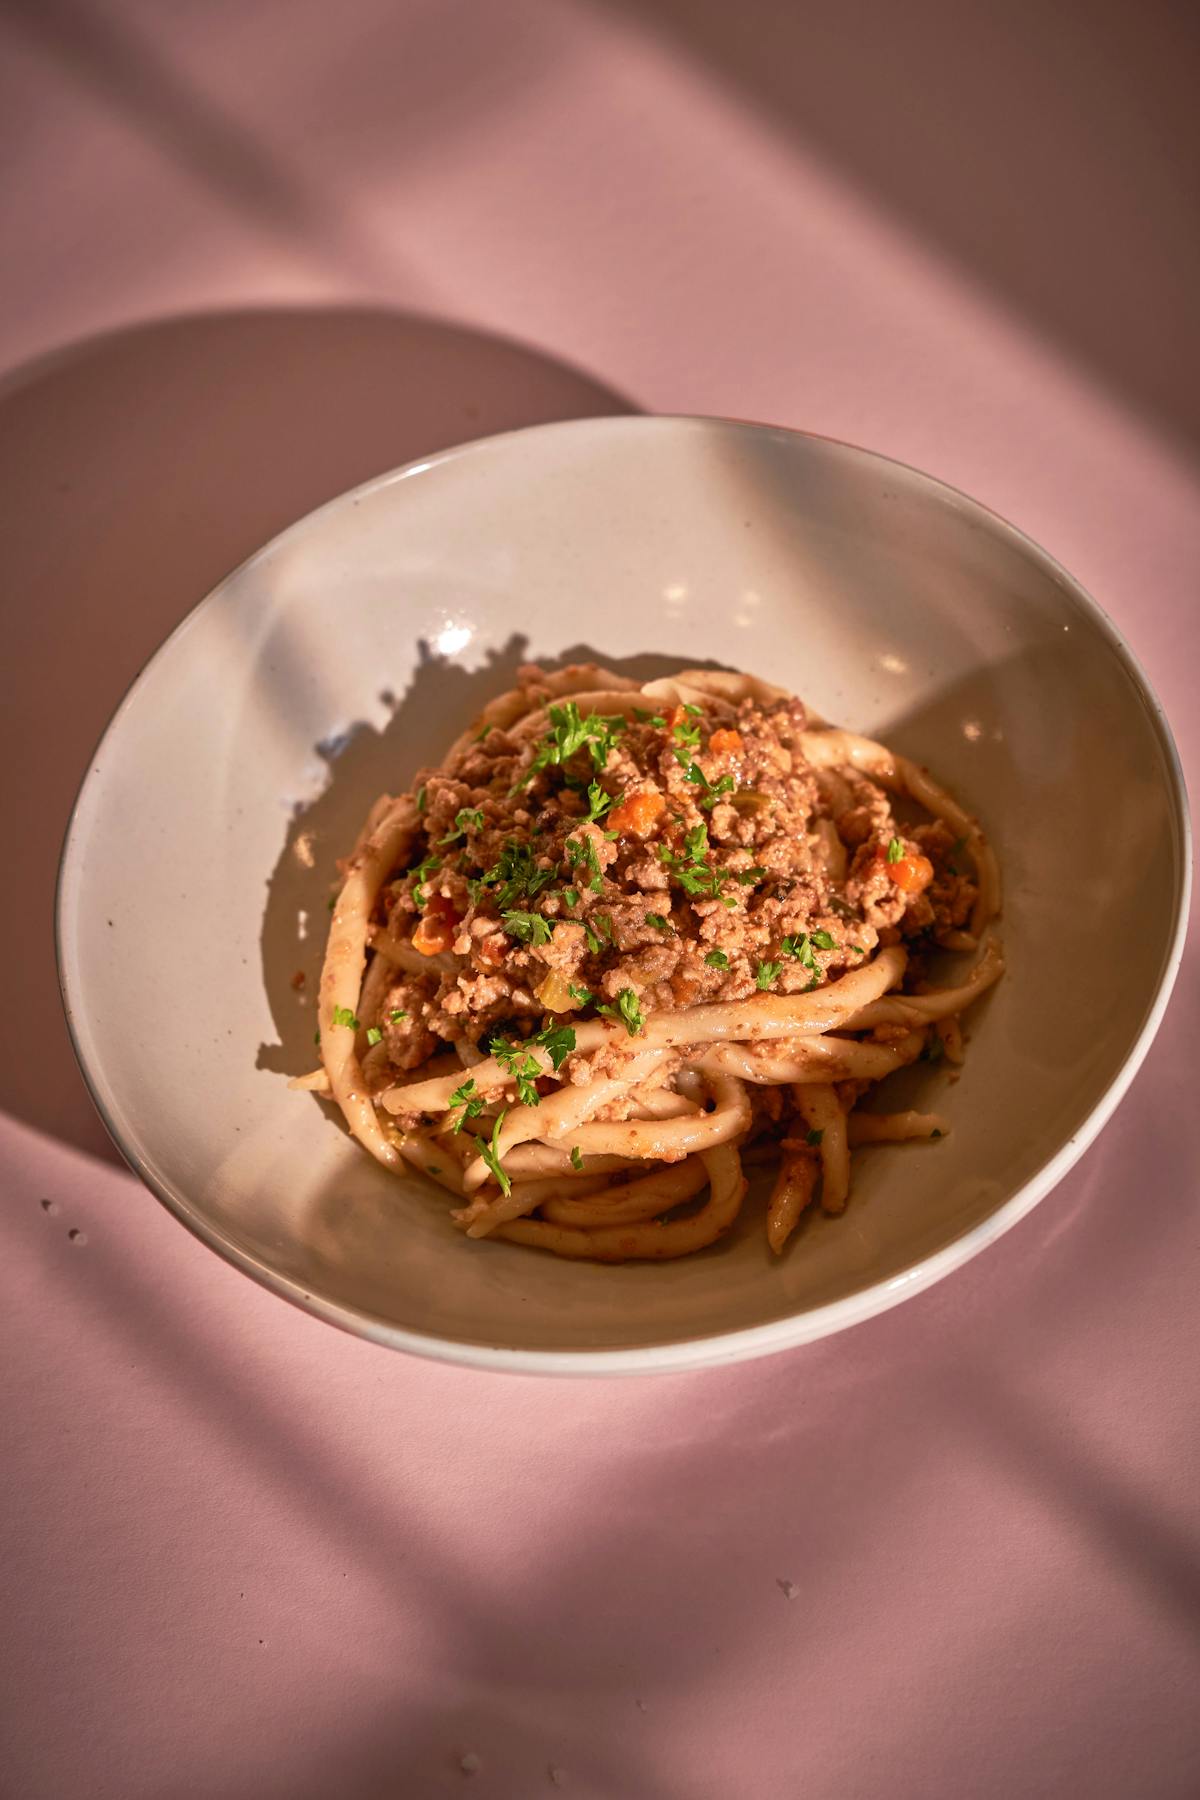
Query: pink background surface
point(955, 1551)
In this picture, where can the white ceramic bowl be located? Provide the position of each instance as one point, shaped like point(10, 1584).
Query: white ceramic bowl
point(357, 644)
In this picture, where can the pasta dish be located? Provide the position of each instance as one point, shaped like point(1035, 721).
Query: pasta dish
point(624, 939)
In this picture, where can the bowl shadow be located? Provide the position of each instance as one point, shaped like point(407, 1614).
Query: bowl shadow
point(138, 468)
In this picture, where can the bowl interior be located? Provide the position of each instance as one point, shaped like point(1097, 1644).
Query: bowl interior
point(354, 647)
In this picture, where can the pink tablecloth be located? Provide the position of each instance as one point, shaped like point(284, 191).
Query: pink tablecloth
point(953, 1552)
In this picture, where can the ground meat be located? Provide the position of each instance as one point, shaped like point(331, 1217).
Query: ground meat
point(685, 855)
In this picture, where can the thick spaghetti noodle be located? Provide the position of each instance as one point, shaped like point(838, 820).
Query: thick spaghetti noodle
point(623, 936)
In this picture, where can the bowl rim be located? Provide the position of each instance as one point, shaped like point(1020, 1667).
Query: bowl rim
point(751, 1341)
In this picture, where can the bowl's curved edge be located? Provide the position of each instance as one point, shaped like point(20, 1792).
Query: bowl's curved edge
point(760, 1340)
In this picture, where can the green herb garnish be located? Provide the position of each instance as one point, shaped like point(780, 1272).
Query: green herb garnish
point(468, 818)
point(813, 1138)
point(580, 995)
point(471, 1102)
point(895, 850)
point(576, 1157)
point(523, 1068)
point(397, 1014)
point(658, 922)
point(583, 850)
point(626, 1009)
point(342, 1015)
point(598, 802)
point(717, 959)
point(529, 928)
point(766, 972)
point(374, 1035)
point(491, 1156)
point(421, 799)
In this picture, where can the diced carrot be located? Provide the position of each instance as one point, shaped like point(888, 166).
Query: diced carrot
point(637, 814)
point(433, 934)
point(912, 873)
point(676, 716)
point(723, 740)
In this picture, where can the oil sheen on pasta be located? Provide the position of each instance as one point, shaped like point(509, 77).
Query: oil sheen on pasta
point(624, 939)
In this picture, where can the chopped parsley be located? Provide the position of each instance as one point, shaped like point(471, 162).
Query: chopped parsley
point(468, 818)
point(858, 950)
point(397, 1013)
point(934, 1049)
point(576, 1157)
point(936, 1133)
point(696, 843)
point(480, 735)
point(317, 1035)
point(895, 850)
point(801, 947)
point(571, 896)
point(421, 799)
point(645, 717)
point(557, 1041)
point(595, 930)
point(471, 1102)
point(658, 922)
point(766, 972)
point(583, 850)
point(697, 712)
point(491, 1156)
point(748, 877)
point(823, 940)
point(813, 1137)
point(684, 733)
point(374, 1035)
point(420, 875)
point(342, 1015)
point(627, 1009)
point(580, 995)
point(527, 927)
point(568, 734)
point(523, 1068)
point(598, 802)
point(717, 959)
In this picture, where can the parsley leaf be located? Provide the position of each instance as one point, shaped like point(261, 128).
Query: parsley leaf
point(895, 850)
point(598, 802)
point(627, 1009)
point(934, 1049)
point(420, 875)
point(342, 1015)
point(557, 1041)
point(717, 959)
point(468, 818)
point(813, 1137)
point(571, 896)
point(421, 799)
point(595, 930)
point(568, 734)
point(576, 1157)
point(397, 1013)
point(471, 1102)
point(766, 972)
point(697, 712)
point(583, 850)
point(823, 940)
point(580, 995)
point(374, 1035)
point(748, 877)
point(527, 927)
point(491, 1156)
point(801, 948)
point(696, 843)
point(658, 922)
